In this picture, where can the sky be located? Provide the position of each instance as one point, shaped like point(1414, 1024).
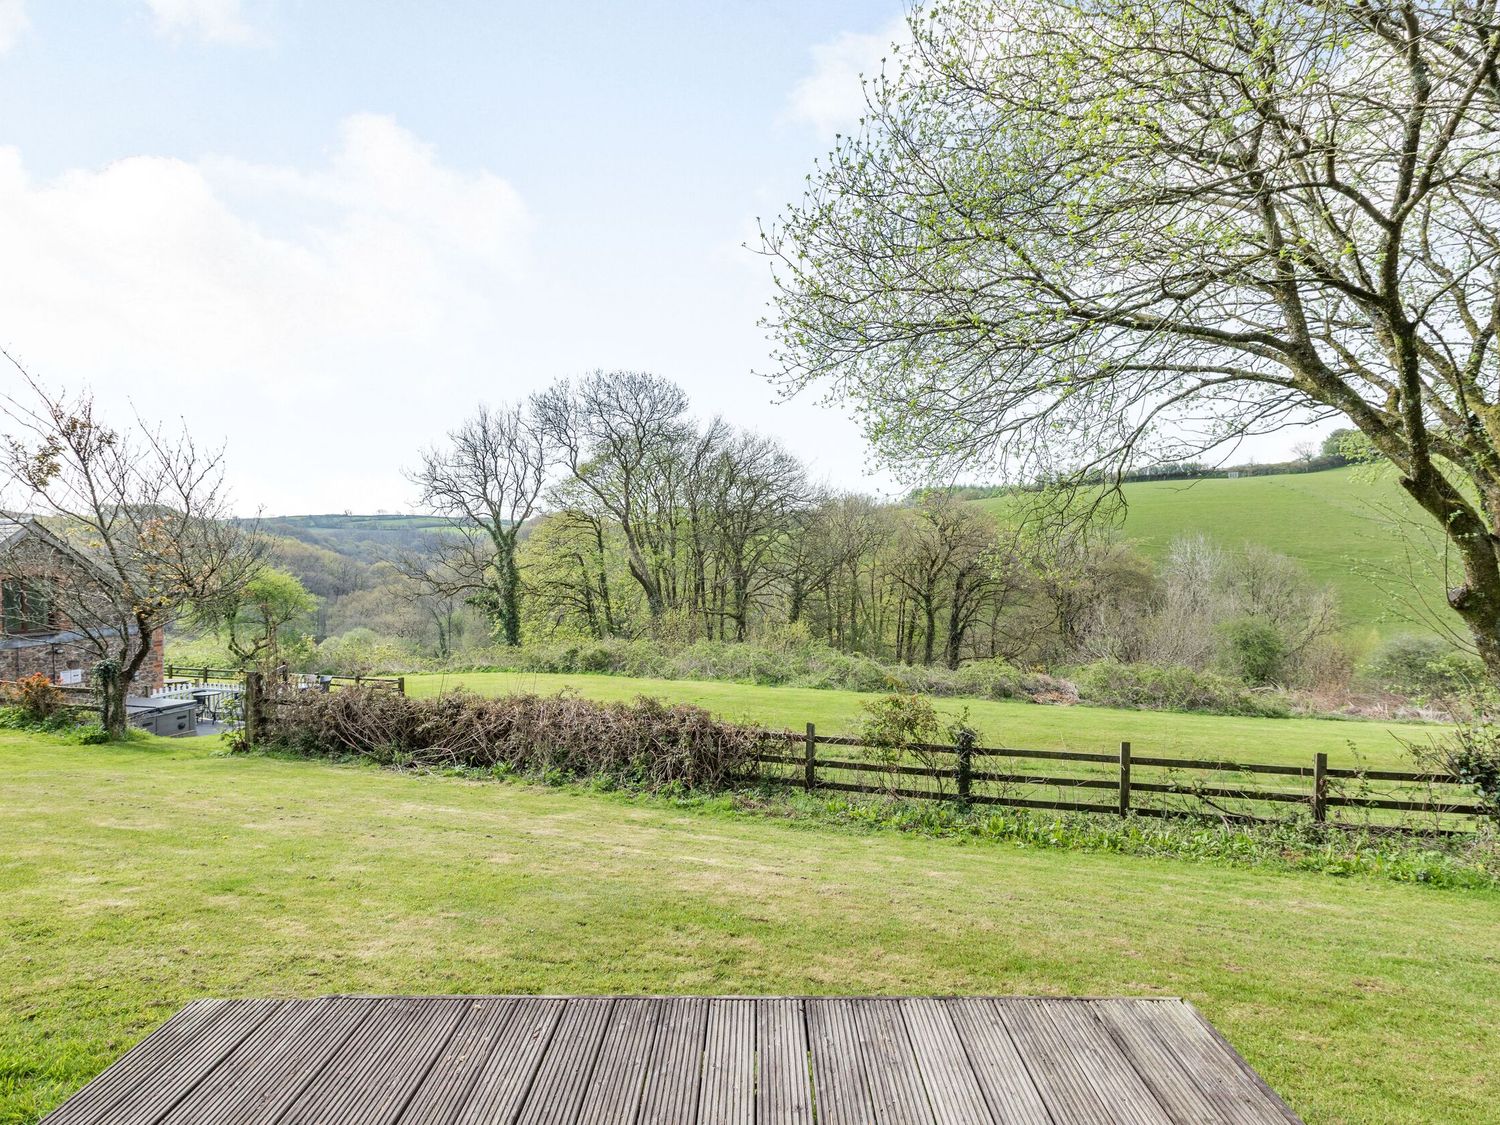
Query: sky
point(322, 231)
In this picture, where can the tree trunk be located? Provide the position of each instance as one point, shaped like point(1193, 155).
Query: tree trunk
point(1480, 610)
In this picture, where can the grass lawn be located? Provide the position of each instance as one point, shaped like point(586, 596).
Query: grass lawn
point(133, 879)
point(1000, 723)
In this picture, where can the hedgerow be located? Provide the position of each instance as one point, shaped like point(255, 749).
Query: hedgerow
point(646, 744)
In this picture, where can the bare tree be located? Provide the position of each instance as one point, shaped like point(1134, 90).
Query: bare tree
point(1076, 234)
point(487, 481)
point(615, 432)
point(756, 488)
point(142, 520)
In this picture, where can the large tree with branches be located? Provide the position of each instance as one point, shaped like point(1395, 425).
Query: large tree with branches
point(1070, 236)
point(487, 481)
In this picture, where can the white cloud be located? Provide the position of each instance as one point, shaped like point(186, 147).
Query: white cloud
point(13, 22)
point(219, 21)
point(831, 98)
point(268, 303)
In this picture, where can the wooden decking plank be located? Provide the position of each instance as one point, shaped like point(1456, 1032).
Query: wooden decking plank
point(270, 1069)
point(646, 1061)
point(614, 1094)
point(505, 1078)
point(165, 1066)
point(1188, 1096)
point(952, 1088)
point(1214, 1064)
point(119, 1078)
point(568, 1064)
point(676, 1070)
point(839, 1089)
point(783, 1095)
point(371, 1078)
point(897, 1094)
point(189, 1067)
point(727, 1094)
point(1007, 1085)
point(1069, 1097)
point(445, 1089)
point(1082, 1074)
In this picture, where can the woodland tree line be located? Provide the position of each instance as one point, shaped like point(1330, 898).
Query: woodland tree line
point(602, 509)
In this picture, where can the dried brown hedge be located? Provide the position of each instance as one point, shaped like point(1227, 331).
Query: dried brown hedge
point(646, 743)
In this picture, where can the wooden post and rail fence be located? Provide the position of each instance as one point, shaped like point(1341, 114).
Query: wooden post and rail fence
point(1446, 799)
point(1443, 795)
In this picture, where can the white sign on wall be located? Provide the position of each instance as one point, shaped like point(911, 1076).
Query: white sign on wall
point(70, 676)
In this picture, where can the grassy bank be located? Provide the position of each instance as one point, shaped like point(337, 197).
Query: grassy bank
point(1351, 528)
point(1000, 723)
point(135, 879)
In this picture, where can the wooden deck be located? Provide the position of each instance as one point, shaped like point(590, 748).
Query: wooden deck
point(488, 1060)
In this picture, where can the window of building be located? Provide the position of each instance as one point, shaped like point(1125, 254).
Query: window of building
point(25, 606)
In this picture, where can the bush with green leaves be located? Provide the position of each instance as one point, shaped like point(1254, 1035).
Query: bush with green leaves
point(1470, 749)
point(1173, 687)
point(787, 657)
point(1254, 650)
point(36, 698)
point(362, 652)
point(1425, 666)
point(898, 727)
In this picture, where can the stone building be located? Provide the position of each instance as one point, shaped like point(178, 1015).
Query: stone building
point(35, 632)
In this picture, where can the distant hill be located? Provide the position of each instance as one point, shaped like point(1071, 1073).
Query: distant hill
point(361, 537)
point(1348, 527)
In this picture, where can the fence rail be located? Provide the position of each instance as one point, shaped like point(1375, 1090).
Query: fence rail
point(205, 674)
point(1445, 798)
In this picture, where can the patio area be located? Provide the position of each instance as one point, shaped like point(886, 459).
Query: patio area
point(482, 1059)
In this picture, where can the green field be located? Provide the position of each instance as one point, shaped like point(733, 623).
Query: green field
point(1346, 526)
point(134, 879)
point(1000, 723)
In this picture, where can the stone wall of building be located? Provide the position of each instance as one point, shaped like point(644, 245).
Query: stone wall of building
point(28, 656)
point(31, 554)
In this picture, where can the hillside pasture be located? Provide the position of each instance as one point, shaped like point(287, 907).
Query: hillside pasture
point(1351, 528)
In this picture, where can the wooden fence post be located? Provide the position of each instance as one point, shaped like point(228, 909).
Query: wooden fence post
point(253, 690)
point(400, 685)
point(1124, 779)
point(964, 744)
point(1320, 788)
point(810, 777)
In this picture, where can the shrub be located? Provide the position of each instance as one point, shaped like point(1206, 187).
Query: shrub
point(895, 727)
point(1424, 666)
point(1471, 750)
point(360, 652)
point(893, 722)
point(647, 744)
point(1172, 687)
point(1254, 650)
point(36, 698)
